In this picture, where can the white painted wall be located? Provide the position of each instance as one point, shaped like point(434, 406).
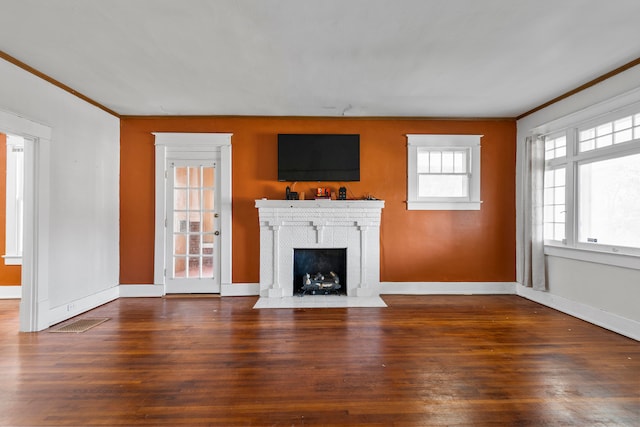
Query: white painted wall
point(613, 290)
point(84, 187)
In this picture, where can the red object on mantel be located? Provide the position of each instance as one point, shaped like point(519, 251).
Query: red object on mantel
point(323, 192)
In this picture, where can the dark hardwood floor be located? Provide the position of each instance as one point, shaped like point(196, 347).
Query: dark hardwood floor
point(422, 361)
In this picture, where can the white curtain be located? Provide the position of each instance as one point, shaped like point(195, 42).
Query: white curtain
point(534, 262)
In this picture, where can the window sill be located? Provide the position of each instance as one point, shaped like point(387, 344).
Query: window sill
point(443, 206)
point(618, 260)
point(12, 259)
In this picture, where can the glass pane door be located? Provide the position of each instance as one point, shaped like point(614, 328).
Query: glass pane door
point(192, 223)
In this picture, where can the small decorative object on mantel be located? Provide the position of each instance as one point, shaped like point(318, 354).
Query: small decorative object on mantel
point(342, 193)
point(291, 195)
point(319, 283)
point(323, 193)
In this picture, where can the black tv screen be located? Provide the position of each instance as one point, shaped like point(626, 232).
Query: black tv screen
point(318, 157)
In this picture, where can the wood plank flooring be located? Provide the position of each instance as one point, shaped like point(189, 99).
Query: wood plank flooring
point(422, 361)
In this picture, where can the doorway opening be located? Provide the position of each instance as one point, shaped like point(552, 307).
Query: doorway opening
point(33, 289)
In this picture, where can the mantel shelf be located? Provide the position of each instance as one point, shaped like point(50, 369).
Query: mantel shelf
point(309, 204)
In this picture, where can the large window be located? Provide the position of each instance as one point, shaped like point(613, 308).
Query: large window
point(609, 201)
point(592, 185)
point(443, 172)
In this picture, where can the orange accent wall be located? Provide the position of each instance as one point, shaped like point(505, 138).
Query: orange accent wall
point(416, 246)
point(9, 274)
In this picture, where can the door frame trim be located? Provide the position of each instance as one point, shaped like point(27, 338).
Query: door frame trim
point(178, 145)
point(34, 301)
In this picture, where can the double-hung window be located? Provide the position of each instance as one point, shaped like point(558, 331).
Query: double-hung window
point(14, 200)
point(592, 185)
point(443, 172)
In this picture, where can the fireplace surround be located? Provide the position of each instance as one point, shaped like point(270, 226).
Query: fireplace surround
point(286, 225)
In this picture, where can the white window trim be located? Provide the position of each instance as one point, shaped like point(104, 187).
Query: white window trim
point(570, 247)
point(12, 259)
point(414, 142)
point(589, 255)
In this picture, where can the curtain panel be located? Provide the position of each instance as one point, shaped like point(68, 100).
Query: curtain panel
point(534, 261)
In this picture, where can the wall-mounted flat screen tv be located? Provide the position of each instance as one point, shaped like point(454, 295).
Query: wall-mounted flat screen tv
point(318, 157)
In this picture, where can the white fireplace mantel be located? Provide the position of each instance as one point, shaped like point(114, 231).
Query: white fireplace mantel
point(286, 225)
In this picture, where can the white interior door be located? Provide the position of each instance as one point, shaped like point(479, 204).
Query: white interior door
point(193, 227)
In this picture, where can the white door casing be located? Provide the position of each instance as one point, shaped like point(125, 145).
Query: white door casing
point(180, 147)
point(34, 303)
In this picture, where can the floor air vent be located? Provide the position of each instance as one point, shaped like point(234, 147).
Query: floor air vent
point(80, 325)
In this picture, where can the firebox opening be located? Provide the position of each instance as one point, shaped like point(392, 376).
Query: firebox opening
point(319, 264)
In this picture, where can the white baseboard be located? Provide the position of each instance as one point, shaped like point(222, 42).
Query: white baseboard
point(226, 290)
point(610, 321)
point(406, 288)
point(446, 288)
point(400, 288)
point(240, 289)
point(10, 292)
point(141, 291)
point(627, 327)
point(79, 306)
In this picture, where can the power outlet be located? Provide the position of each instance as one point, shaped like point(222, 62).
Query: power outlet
point(71, 307)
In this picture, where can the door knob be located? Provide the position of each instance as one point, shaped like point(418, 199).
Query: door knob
point(217, 233)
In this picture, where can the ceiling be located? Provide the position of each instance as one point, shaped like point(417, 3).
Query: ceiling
point(426, 58)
